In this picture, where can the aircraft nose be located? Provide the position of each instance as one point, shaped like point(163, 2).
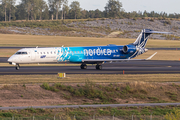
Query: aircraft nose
point(10, 59)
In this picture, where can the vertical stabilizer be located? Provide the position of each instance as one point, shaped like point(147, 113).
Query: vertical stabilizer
point(141, 41)
point(143, 37)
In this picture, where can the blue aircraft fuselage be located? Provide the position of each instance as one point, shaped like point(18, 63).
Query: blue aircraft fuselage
point(77, 54)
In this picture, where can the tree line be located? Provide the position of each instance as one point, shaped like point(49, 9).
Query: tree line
point(59, 9)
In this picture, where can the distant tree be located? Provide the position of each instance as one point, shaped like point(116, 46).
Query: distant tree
point(11, 4)
point(27, 6)
point(45, 14)
point(20, 12)
point(113, 8)
point(145, 14)
point(55, 6)
point(98, 13)
point(92, 14)
point(65, 10)
point(41, 7)
point(34, 8)
point(133, 14)
point(75, 8)
point(4, 4)
point(84, 14)
point(1, 13)
point(51, 7)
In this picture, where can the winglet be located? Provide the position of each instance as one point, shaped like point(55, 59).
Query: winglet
point(151, 56)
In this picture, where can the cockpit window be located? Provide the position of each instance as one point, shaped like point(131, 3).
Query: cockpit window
point(21, 53)
point(24, 52)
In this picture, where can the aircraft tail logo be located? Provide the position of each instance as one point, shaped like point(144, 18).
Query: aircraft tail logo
point(144, 36)
point(141, 41)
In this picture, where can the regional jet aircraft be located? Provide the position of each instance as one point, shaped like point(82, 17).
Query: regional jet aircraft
point(84, 55)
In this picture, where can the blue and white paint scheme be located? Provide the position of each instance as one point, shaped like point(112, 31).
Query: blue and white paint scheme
point(84, 55)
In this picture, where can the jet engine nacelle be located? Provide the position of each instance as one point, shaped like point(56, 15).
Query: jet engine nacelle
point(129, 49)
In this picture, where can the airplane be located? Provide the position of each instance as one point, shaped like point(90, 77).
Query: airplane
point(85, 55)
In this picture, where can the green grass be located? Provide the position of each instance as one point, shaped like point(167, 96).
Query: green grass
point(88, 113)
point(110, 93)
point(97, 78)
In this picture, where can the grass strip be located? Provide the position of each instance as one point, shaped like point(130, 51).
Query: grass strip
point(88, 113)
point(97, 78)
point(55, 41)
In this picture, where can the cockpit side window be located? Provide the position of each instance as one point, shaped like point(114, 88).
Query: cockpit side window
point(18, 53)
point(24, 53)
point(21, 53)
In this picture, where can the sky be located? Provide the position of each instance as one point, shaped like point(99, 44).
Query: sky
point(168, 6)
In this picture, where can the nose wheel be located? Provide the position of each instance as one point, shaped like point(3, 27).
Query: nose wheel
point(17, 67)
point(83, 66)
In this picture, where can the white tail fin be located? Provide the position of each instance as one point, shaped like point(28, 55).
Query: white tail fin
point(143, 37)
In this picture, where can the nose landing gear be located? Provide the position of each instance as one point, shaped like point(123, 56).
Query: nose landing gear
point(17, 67)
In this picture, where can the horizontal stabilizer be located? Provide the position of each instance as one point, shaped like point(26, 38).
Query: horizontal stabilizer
point(151, 32)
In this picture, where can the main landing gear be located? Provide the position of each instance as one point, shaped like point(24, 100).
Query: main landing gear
point(83, 66)
point(98, 66)
point(17, 67)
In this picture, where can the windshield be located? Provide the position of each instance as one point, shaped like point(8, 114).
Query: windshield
point(21, 53)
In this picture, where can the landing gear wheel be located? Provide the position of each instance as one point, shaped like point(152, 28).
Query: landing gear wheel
point(98, 67)
point(83, 66)
point(17, 67)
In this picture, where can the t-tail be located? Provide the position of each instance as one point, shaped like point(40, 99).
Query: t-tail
point(141, 42)
point(144, 36)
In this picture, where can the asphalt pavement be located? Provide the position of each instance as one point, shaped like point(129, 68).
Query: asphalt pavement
point(131, 67)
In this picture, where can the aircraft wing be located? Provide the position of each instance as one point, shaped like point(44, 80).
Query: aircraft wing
point(116, 60)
